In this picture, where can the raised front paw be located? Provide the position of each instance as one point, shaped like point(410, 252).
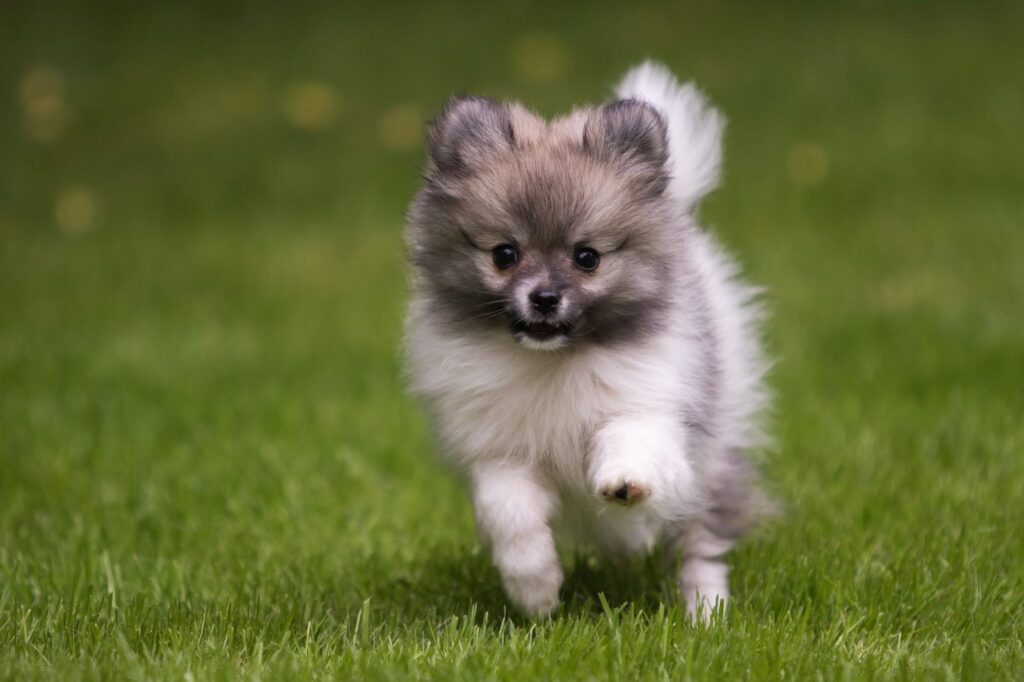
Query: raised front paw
point(624, 492)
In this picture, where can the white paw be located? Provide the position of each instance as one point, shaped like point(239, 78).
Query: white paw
point(705, 604)
point(530, 572)
point(624, 491)
point(640, 461)
point(623, 485)
point(535, 594)
point(705, 587)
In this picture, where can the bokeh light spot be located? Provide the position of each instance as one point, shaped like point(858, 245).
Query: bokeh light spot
point(540, 57)
point(808, 163)
point(42, 100)
point(401, 127)
point(75, 210)
point(310, 106)
point(920, 289)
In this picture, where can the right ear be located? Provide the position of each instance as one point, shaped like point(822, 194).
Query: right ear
point(634, 132)
point(467, 132)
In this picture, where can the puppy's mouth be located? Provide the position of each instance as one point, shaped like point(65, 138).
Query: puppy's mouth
point(541, 331)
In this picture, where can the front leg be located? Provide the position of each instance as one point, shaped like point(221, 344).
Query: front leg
point(513, 507)
point(638, 459)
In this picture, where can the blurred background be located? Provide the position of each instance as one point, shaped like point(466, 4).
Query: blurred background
point(202, 285)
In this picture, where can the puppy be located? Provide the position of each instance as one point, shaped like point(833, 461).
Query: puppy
point(585, 350)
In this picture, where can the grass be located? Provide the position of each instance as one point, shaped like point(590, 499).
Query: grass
point(208, 467)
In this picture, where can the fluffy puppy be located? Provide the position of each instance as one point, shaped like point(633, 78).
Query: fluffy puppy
point(588, 357)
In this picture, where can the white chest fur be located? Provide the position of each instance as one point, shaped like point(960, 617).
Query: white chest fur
point(494, 399)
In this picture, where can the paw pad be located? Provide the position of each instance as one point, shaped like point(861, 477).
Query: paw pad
point(627, 493)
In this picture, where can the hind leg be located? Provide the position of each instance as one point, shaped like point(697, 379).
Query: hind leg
point(735, 505)
point(704, 575)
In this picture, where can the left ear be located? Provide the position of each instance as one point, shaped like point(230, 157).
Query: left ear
point(633, 132)
point(468, 133)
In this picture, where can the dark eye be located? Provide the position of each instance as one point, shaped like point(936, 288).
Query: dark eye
point(586, 258)
point(505, 256)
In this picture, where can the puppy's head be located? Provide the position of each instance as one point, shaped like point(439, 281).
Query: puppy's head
point(558, 233)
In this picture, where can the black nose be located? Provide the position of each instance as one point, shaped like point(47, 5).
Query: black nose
point(544, 300)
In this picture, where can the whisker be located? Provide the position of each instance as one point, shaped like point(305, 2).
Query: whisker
point(489, 314)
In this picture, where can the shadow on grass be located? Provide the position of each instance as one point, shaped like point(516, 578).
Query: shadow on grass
point(450, 583)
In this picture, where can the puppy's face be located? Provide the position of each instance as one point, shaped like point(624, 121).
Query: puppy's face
point(557, 233)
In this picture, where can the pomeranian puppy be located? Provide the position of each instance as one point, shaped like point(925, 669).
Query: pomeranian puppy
point(584, 348)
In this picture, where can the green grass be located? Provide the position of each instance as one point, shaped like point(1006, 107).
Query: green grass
point(208, 466)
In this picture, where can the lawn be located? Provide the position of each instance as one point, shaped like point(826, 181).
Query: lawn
point(208, 464)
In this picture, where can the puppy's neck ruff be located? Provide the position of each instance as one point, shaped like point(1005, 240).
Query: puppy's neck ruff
point(496, 398)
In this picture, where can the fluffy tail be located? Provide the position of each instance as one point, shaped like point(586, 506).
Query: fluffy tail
point(694, 129)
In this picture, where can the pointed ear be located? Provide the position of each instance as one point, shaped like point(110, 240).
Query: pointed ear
point(467, 132)
point(634, 132)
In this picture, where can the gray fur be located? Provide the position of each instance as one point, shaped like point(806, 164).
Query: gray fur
point(498, 174)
